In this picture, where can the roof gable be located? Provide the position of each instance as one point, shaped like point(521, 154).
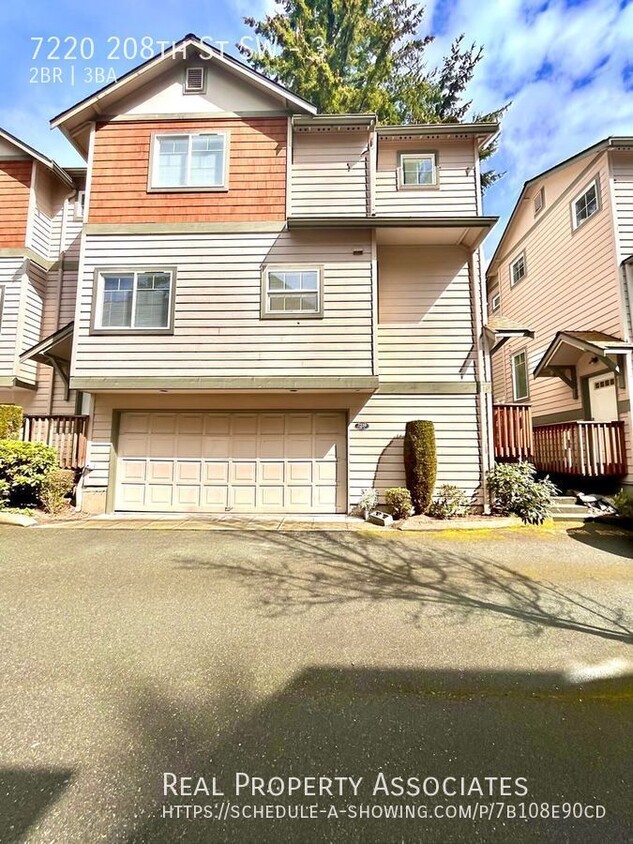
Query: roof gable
point(9, 143)
point(150, 76)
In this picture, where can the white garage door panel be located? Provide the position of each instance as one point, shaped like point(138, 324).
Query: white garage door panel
point(236, 462)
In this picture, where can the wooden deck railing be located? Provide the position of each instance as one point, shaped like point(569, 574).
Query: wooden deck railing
point(65, 433)
point(512, 425)
point(590, 449)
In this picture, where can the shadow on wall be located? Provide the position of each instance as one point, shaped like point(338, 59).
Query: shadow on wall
point(25, 796)
point(303, 571)
point(568, 743)
point(390, 467)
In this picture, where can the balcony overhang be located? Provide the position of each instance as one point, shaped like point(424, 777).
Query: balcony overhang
point(468, 232)
point(228, 384)
point(562, 355)
point(56, 351)
point(499, 330)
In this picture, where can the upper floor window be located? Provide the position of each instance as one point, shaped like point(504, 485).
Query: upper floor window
point(495, 302)
point(539, 200)
point(292, 292)
point(585, 205)
point(518, 269)
point(417, 170)
point(189, 162)
point(134, 299)
point(519, 376)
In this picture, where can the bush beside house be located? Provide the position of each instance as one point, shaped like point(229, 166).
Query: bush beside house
point(10, 421)
point(420, 462)
point(24, 466)
point(517, 492)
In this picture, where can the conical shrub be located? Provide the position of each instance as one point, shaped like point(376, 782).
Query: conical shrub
point(420, 462)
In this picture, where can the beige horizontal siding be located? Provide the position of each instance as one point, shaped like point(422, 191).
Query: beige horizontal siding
point(623, 191)
point(31, 319)
point(456, 194)
point(329, 173)
point(11, 276)
point(424, 315)
point(571, 285)
point(218, 329)
point(375, 454)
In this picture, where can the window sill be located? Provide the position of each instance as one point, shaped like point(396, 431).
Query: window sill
point(298, 317)
point(132, 332)
point(193, 189)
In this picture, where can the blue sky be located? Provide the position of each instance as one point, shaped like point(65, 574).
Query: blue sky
point(567, 66)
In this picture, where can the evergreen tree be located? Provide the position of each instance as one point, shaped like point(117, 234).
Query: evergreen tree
point(359, 56)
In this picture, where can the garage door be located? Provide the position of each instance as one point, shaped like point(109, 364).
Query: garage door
point(277, 462)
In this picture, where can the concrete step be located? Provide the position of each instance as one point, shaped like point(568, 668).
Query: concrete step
point(583, 516)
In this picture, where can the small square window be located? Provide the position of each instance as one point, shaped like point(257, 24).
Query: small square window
point(140, 300)
point(585, 205)
point(495, 302)
point(417, 170)
point(518, 269)
point(519, 376)
point(295, 291)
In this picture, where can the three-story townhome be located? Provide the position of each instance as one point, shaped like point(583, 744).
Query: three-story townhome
point(267, 295)
point(40, 225)
point(564, 269)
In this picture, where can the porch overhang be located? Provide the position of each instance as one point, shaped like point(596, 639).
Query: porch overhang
point(499, 330)
point(562, 355)
point(56, 351)
point(468, 232)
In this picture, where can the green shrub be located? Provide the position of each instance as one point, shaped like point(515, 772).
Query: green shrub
point(623, 503)
point(517, 492)
point(399, 499)
point(420, 462)
point(55, 486)
point(23, 467)
point(450, 502)
point(10, 421)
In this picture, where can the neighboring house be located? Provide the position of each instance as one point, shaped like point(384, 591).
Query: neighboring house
point(266, 295)
point(564, 268)
point(40, 225)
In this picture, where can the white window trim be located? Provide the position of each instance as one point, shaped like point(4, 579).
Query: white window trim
point(79, 207)
point(575, 223)
point(154, 158)
point(289, 268)
point(404, 156)
point(495, 302)
point(185, 85)
point(516, 397)
point(96, 324)
point(513, 283)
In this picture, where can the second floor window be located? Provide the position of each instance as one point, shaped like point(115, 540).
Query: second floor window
point(495, 302)
point(196, 161)
point(417, 170)
point(518, 269)
point(586, 205)
point(519, 376)
point(292, 292)
point(134, 300)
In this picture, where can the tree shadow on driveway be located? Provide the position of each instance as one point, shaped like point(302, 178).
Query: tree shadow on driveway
point(297, 572)
point(568, 742)
point(616, 541)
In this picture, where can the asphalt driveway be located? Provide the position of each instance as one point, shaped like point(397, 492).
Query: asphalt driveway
point(128, 654)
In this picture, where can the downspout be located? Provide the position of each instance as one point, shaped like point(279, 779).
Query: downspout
point(483, 398)
point(60, 288)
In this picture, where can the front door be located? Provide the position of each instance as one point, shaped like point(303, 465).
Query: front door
point(603, 400)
